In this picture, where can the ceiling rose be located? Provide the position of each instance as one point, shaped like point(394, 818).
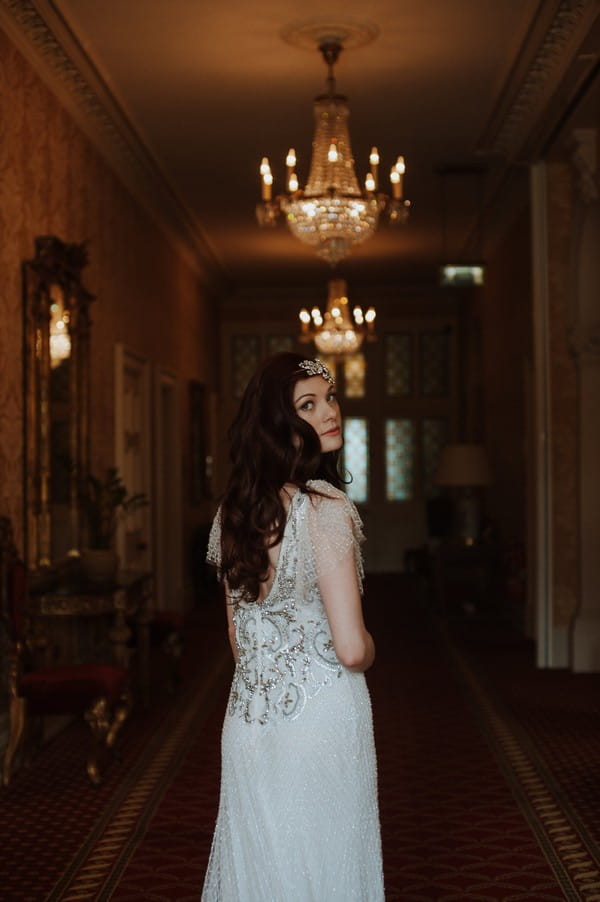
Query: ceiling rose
point(349, 33)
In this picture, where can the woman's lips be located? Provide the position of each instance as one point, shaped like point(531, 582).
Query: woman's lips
point(333, 431)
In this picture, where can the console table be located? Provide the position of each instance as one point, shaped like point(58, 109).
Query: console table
point(466, 578)
point(108, 609)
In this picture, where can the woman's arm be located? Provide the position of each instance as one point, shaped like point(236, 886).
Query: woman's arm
point(230, 624)
point(352, 642)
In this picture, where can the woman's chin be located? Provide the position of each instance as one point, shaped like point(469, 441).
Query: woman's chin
point(331, 442)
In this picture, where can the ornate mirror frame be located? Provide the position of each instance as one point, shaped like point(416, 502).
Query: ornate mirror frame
point(56, 332)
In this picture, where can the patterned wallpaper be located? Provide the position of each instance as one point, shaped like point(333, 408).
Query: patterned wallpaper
point(52, 181)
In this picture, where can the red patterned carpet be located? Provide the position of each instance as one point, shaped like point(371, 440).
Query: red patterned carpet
point(489, 776)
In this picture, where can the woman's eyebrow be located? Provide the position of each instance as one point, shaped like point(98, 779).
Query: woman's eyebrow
point(308, 394)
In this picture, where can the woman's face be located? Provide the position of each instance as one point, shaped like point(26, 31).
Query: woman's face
point(316, 402)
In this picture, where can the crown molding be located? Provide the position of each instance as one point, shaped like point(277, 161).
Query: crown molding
point(552, 65)
point(40, 33)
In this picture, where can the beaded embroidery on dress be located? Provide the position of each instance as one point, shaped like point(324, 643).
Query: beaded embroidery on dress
point(298, 816)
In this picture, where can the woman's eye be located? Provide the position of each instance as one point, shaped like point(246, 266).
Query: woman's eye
point(306, 406)
point(331, 396)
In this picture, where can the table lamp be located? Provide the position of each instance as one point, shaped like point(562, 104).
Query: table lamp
point(465, 466)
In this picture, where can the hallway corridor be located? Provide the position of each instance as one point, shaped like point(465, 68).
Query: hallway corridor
point(489, 775)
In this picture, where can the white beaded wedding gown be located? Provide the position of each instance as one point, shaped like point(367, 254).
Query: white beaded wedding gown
point(298, 817)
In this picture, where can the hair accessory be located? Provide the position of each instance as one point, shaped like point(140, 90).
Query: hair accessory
point(316, 367)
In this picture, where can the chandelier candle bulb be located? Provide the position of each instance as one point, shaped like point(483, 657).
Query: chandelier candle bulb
point(396, 186)
point(267, 181)
point(332, 154)
point(374, 161)
point(304, 316)
point(290, 160)
point(264, 166)
point(370, 183)
point(400, 169)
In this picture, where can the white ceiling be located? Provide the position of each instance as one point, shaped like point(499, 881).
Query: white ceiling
point(207, 89)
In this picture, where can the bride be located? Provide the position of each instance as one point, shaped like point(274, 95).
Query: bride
point(298, 815)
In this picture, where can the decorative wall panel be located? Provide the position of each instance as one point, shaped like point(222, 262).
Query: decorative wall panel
point(278, 343)
point(399, 364)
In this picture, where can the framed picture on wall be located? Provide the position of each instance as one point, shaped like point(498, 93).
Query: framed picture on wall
point(199, 488)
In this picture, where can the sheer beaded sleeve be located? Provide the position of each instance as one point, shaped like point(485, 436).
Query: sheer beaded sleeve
point(333, 530)
point(213, 554)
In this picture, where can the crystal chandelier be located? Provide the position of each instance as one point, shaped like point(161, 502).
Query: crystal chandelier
point(332, 214)
point(338, 331)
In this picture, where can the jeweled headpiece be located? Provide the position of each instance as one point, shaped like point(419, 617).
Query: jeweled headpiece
point(316, 367)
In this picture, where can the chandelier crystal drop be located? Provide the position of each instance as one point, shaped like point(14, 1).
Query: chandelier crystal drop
point(333, 213)
point(338, 331)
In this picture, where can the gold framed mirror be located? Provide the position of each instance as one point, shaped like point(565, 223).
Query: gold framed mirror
point(56, 386)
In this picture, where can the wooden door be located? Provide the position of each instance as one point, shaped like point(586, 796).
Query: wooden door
point(395, 425)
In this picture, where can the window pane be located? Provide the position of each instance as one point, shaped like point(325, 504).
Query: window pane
point(398, 364)
point(356, 457)
point(277, 343)
point(355, 370)
point(435, 360)
point(244, 361)
point(399, 459)
point(433, 437)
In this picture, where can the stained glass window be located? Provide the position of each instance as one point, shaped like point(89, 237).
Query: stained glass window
point(355, 370)
point(434, 435)
point(435, 363)
point(398, 364)
point(399, 459)
point(356, 457)
point(277, 343)
point(245, 351)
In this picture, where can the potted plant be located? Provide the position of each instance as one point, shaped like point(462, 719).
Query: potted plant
point(105, 501)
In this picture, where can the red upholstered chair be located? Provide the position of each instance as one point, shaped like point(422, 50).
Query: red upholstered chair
point(98, 692)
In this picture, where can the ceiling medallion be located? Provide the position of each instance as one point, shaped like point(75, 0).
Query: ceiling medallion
point(310, 34)
point(332, 213)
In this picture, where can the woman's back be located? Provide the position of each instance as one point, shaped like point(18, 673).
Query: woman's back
point(284, 642)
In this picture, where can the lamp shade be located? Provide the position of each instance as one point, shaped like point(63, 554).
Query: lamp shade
point(463, 464)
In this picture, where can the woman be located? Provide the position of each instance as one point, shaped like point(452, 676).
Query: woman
point(298, 818)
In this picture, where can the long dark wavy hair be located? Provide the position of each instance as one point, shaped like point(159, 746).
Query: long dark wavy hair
point(270, 446)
